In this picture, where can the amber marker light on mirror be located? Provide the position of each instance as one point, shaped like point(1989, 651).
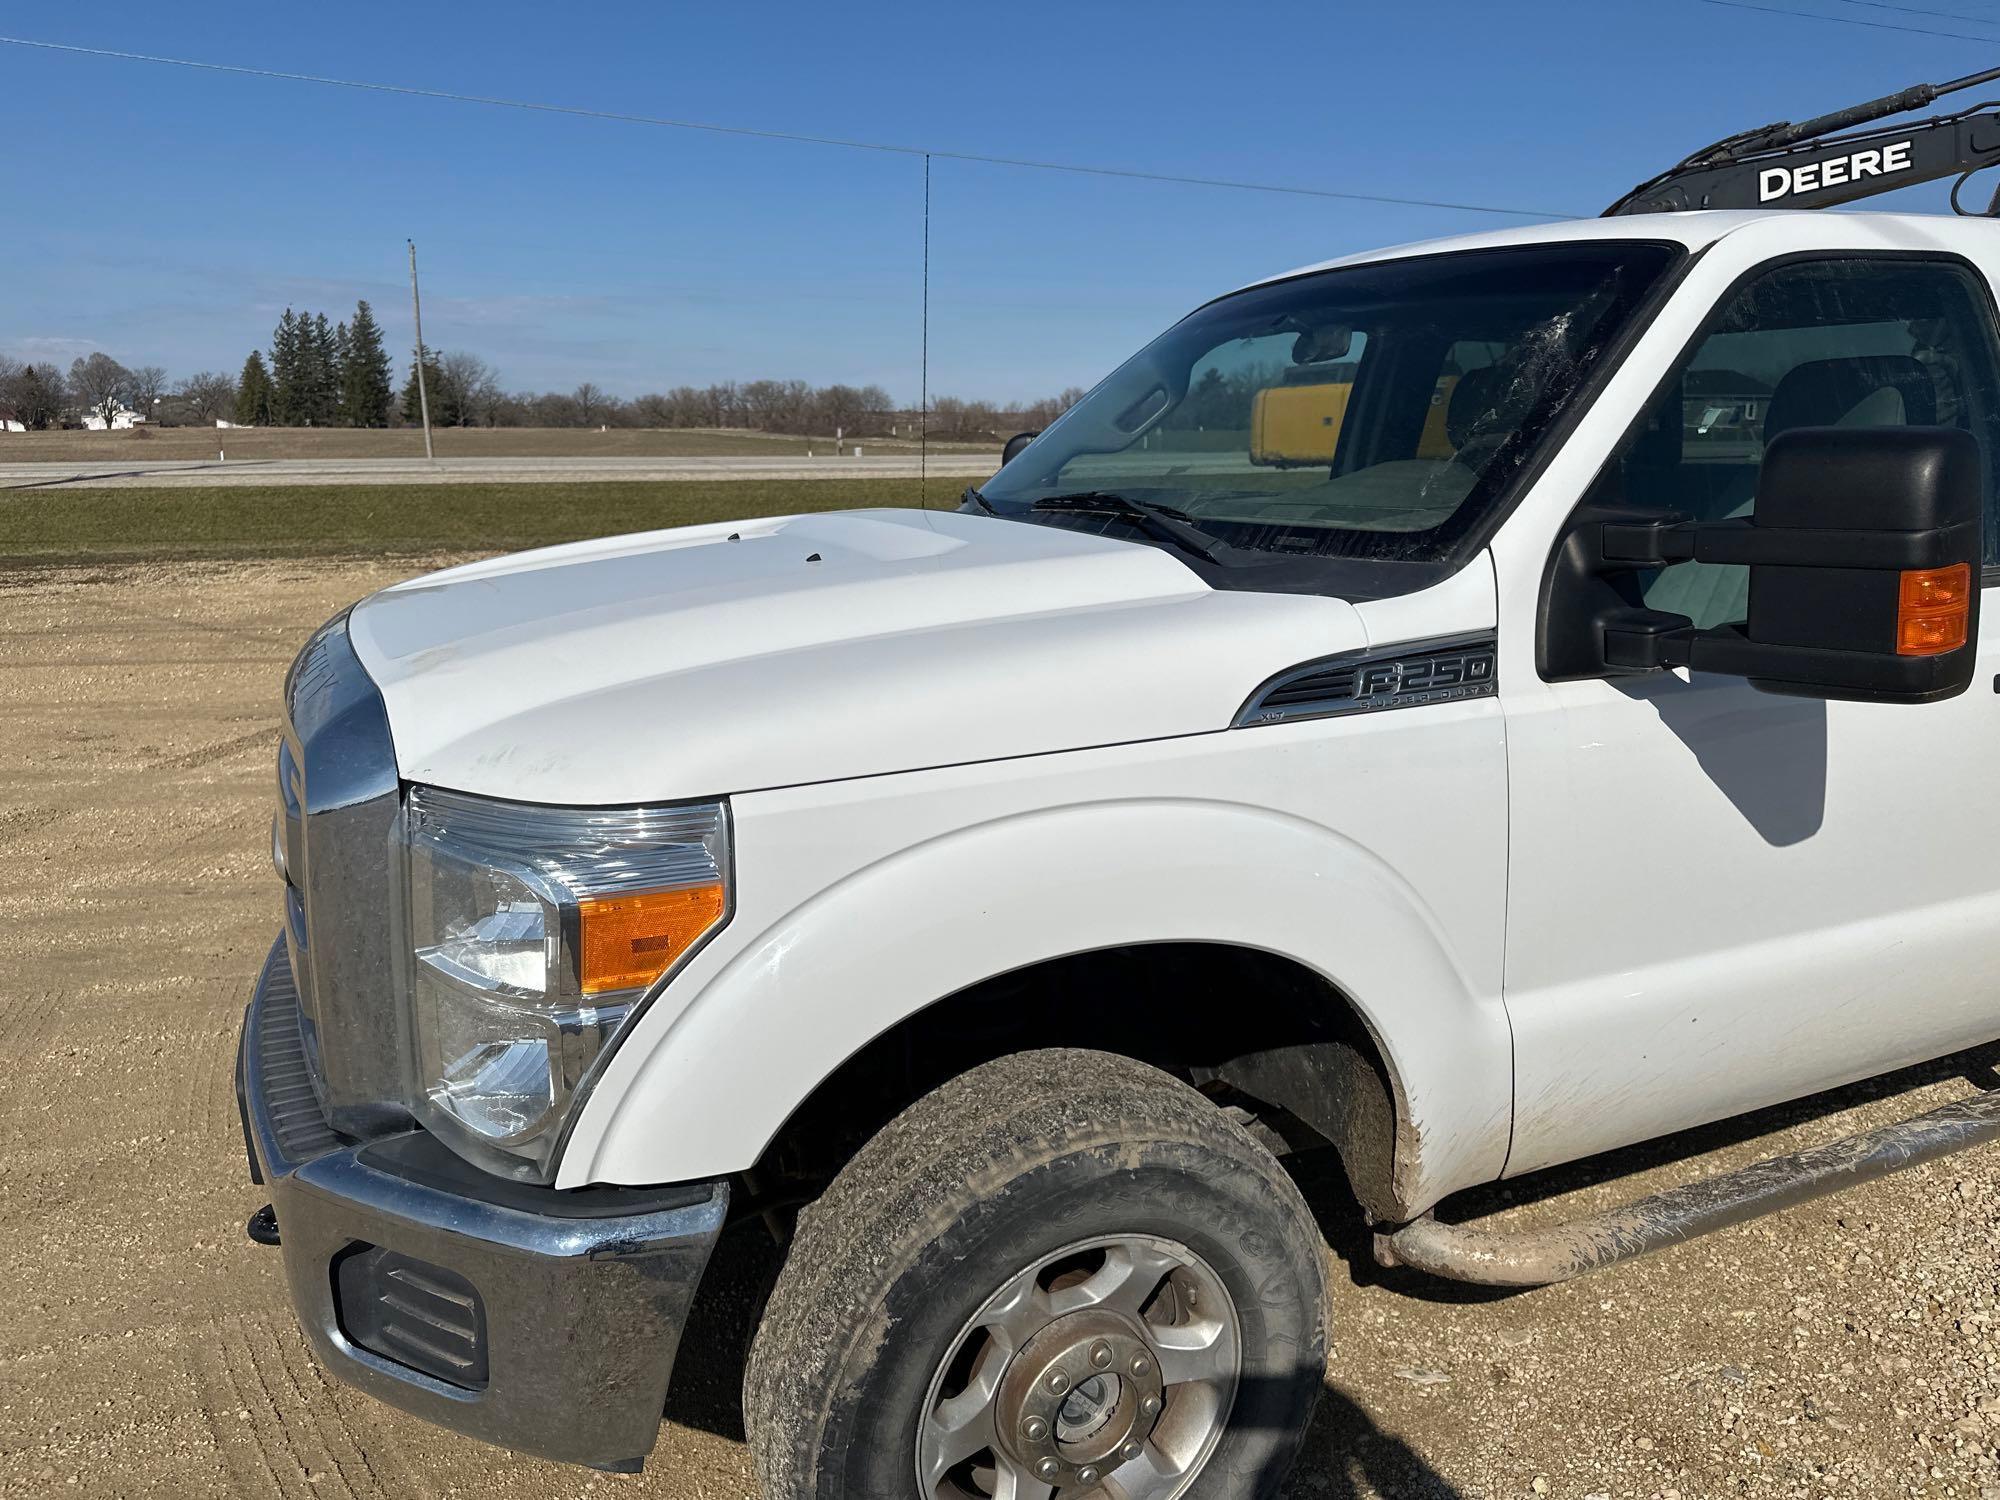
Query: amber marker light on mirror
point(1933, 610)
point(628, 941)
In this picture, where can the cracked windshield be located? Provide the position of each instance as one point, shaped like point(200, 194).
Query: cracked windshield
point(1375, 411)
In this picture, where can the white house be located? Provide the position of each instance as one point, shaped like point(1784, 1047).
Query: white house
point(121, 419)
point(8, 424)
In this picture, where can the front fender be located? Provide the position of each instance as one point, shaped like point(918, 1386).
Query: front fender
point(856, 911)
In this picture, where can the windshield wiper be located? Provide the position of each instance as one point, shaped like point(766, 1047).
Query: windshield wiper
point(973, 497)
point(1163, 521)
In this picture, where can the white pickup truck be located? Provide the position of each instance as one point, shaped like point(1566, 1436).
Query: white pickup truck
point(983, 898)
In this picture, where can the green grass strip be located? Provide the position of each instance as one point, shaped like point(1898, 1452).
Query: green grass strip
point(53, 526)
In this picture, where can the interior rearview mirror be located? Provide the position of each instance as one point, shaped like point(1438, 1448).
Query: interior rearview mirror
point(1865, 550)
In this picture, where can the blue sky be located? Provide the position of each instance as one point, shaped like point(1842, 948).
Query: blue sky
point(169, 216)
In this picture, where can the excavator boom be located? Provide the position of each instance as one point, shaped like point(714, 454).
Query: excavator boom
point(1808, 165)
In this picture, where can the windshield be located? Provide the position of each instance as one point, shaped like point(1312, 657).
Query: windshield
point(1375, 411)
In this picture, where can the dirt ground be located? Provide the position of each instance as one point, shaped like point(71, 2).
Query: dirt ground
point(1848, 1348)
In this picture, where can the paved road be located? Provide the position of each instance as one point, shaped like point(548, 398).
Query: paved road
point(482, 470)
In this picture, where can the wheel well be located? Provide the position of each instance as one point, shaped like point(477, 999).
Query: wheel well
point(1246, 1027)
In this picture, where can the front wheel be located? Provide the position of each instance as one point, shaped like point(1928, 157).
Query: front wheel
point(1062, 1273)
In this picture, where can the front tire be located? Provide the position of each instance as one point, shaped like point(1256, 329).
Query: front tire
point(1062, 1273)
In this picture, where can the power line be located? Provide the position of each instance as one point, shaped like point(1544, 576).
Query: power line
point(1806, 15)
point(1917, 10)
point(773, 135)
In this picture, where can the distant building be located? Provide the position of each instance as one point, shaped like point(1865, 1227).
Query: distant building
point(8, 424)
point(121, 419)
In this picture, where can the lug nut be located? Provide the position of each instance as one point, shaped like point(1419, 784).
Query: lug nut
point(1057, 1382)
point(1141, 1365)
point(1100, 1355)
point(1131, 1451)
point(1034, 1429)
point(1048, 1468)
point(1150, 1406)
point(1086, 1475)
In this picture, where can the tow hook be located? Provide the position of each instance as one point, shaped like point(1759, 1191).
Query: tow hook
point(263, 1226)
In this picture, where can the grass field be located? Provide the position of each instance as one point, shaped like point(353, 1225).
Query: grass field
point(153, 444)
point(58, 526)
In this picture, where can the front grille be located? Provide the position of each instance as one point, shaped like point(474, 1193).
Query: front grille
point(410, 1311)
point(339, 799)
point(286, 1083)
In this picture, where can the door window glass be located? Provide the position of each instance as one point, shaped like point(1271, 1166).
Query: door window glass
point(1827, 343)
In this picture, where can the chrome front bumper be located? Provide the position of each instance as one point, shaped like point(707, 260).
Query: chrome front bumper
point(563, 1311)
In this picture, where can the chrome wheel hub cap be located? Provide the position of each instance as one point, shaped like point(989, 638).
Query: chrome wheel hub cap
point(1108, 1368)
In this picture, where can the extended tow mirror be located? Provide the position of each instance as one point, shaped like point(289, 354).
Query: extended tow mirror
point(1014, 446)
point(1865, 552)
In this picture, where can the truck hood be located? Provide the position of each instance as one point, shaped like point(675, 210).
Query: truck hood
point(715, 659)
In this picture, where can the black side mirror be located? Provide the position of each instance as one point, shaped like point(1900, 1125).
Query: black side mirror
point(1015, 444)
point(1865, 552)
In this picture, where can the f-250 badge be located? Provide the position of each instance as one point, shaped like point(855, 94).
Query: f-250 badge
point(1406, 679)
point(1427, 679)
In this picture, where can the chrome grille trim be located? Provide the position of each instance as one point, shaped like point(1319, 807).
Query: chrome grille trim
point(340, 805)
point(284, 1081)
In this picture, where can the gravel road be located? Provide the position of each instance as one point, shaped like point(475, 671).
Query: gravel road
point(1848, 1348)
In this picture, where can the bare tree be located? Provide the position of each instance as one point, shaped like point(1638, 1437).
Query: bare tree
point(763, 400)
point(654, 411)
point(99, 383)
point(209, 395)
point(591, 403)
point(469, 389)
point(552, 410)
point(148, 383)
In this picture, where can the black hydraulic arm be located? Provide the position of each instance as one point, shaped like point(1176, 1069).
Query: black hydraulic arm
point(1810, 165)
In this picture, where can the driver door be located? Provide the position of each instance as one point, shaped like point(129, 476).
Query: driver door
point(1719, 898)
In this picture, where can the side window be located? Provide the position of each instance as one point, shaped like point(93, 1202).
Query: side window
point(1829, 343)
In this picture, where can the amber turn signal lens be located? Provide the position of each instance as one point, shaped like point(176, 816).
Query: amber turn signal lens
point(1933, 610)
point(629, 941)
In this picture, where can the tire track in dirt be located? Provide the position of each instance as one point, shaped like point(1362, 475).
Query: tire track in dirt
point(28, 1022)
point(239, 1431)
point(18, 823)
point(276, 1422)
point(209, 754)
point(209, 1082)
point(327, 1404)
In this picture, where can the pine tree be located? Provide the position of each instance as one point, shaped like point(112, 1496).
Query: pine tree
point(253, 393)
point(365, 372)
point(433, 388)
point(322, 390)
point(287, 397)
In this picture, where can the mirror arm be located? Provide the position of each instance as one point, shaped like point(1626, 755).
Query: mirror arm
point(1645, 640)
point(1672, 539)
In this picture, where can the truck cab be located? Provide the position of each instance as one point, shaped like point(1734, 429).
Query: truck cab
point(986, 899)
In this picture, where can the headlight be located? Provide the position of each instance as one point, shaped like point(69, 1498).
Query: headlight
point(534, 931)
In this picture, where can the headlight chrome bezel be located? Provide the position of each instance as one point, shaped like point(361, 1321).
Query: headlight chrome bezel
point(459, 853)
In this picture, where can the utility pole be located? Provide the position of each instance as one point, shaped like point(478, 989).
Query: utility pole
point(417, 313)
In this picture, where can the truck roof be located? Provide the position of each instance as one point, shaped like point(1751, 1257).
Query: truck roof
point(1696, 230)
